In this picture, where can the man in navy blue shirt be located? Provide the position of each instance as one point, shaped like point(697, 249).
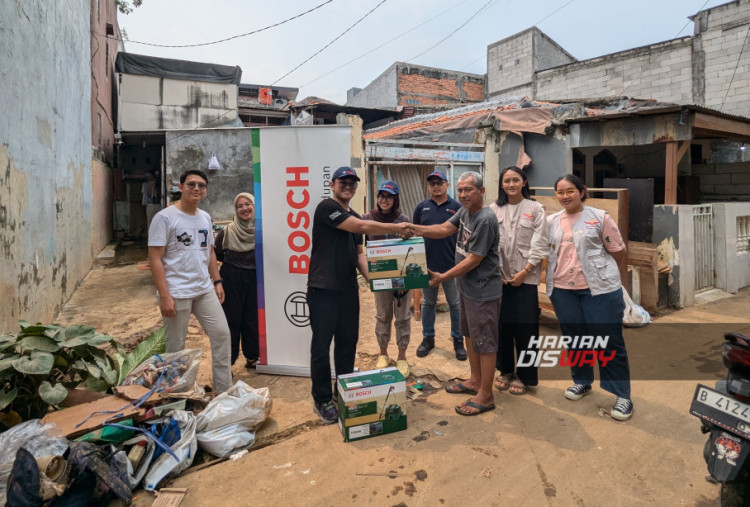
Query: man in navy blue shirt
point(441, 253)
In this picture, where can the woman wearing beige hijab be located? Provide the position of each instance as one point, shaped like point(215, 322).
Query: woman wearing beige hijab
point(235, 248)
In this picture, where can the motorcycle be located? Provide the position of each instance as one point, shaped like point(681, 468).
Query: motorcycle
point(725, 414)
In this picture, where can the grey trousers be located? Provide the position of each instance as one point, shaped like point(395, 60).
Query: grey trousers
point(386, 308)
point(209, 313)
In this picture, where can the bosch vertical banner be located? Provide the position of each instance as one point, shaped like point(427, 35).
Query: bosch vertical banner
point(292, 168)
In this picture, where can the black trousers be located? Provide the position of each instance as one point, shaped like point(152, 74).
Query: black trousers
point(519, 321)
point(334, 316)
point(241, 308)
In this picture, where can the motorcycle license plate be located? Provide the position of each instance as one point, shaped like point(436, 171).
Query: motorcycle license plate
point(722, 410)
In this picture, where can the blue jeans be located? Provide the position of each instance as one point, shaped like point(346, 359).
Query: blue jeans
point(429, 301)
point(579, 313)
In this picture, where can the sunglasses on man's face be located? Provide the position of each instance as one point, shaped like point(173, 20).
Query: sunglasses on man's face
point(435, 183)
point(347, 184)
point(193, 184)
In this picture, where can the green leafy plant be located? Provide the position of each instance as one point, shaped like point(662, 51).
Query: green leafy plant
point(42, 362)
point(126, 362)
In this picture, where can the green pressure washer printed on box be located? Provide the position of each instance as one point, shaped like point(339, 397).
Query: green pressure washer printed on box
point(397, 264)
point(371, 403)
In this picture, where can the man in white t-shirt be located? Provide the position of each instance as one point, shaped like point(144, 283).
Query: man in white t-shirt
point(184, 268)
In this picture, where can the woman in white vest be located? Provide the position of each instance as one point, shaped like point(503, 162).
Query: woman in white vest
point(583, 283)
point(524, 243)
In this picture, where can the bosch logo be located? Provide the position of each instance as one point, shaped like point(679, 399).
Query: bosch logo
point(296, 310)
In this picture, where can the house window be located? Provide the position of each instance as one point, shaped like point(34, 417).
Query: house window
point(412, 101)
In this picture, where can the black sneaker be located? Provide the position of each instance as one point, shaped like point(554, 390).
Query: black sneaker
point(458, 346)
point(425, 347)
point(577, 391)
point(623, 409)
point(327, 412)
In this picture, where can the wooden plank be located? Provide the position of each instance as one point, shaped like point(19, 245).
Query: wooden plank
point(721, 125)
point(670, 174)
point(67, 420)
point(645, 257)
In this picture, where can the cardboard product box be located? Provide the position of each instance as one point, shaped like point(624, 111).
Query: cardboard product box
point(397, 264)
point(371, 403)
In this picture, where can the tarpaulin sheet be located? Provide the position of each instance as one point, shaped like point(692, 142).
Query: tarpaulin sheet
point(142, 65)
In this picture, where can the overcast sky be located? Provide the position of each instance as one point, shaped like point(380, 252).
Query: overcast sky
point(585, 28)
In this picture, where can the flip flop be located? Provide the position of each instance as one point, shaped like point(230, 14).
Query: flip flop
point(462, 389)
point(482, 408)
point(503, 382)
point(520, 386)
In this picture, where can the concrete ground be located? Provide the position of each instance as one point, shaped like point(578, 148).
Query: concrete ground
point(536, 449)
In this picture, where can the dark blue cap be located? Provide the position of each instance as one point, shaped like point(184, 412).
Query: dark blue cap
point(389, 186)
point(437, 174)
point(345, 172)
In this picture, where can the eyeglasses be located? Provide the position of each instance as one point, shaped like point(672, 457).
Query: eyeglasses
point(348, 184)
point(569, 191)
point(386, 197)
point(193, 184)
point(436, 183)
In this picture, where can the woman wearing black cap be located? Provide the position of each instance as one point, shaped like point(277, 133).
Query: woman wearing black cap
point(391, 305)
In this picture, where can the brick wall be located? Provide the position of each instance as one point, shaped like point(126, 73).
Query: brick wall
point(426, 86)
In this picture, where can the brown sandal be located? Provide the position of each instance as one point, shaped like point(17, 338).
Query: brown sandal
point(520, 387)
point(503, 382)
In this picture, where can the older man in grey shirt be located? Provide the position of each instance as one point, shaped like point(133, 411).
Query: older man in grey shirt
point(480, 288)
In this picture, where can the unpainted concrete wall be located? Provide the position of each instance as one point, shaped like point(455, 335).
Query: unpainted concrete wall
point(154, 103)
point(661, 71)
point(708, 68)
point(45, 157)
point(732, 266)
point(675, 240)
point(380, 93)
point(233, 149)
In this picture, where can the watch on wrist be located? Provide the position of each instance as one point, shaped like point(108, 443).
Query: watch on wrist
point(218, 281)
point(526, 269)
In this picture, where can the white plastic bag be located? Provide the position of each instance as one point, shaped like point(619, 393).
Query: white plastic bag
point(221, 442)
point(135, 476)
point(239, 404)
point(229, 420)
point(185, 449)
point(634, 315)
point(174, 381)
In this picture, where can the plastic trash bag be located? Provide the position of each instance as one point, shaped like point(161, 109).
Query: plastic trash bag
point(33, 436)
point(180, 375)
point(229, 420)
point(135, 476)
point(185, 450)
point(221, 442)
point(240, 404)
point(635, 315)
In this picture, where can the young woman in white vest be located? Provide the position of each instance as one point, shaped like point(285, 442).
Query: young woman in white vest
point(524, 243)
point(583, 283)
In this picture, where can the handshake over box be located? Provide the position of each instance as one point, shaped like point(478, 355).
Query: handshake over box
point(397, 264)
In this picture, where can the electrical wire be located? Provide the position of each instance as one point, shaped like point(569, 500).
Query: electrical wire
point(334, 40)
point(228, 38)
point(480, 10)
point(535, 24)
point(650, 63)
point(744, 43)
point(382, 45)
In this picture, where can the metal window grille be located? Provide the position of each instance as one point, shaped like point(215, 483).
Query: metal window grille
point(704, 246)
point(743, 234)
